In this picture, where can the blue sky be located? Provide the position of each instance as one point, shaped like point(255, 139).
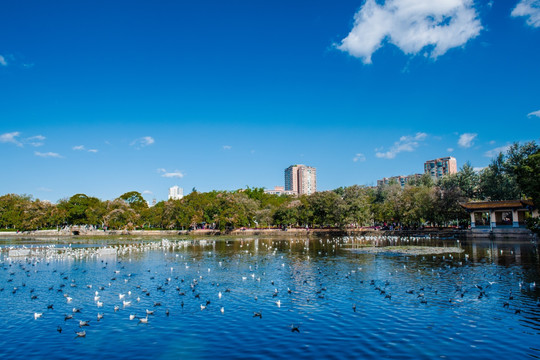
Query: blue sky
point(102, 97)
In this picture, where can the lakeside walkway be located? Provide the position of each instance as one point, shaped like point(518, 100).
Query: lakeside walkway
point(293, 232)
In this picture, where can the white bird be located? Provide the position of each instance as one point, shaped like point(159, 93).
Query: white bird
point(37, 315)
point(203, 307)
point(69, 299)
point(116, 308)
point(222, 309)
point(99, 304)
point(121, 296)
point(278, 303)
point(131, 317)
point(219, 295)
point(126, 303)
point(96, 298)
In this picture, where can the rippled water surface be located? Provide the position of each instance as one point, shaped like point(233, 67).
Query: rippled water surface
point(317, 298)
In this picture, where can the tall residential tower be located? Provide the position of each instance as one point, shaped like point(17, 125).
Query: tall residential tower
point(301, 179)
point(440, 167)
point(176, 193)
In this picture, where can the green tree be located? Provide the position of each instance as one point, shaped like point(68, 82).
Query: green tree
point(135, 200)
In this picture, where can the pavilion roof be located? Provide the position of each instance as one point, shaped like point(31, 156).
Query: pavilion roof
point(504, 204)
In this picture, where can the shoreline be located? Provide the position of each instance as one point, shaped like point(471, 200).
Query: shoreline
point(431, 232)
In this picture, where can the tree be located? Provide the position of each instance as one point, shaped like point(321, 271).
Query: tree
point(135, 200)
point(528, 177)
point(496, 183)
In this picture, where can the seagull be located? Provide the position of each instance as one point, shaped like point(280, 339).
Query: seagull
point(80, 333)
point(295, 329)
point(131, 317)
point(222, 310)
point(83, 323)
point(143, 320)
point(99, 316)
point(37, 315)
point(257, 314)
point(59, 329)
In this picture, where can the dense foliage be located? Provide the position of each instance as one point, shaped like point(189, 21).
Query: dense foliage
point(512, 175)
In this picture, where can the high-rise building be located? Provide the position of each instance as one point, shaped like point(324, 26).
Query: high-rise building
point(301, 179)
point(438, 168)
point(176, 193)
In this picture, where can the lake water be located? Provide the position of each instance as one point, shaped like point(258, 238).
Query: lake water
point(319, 298)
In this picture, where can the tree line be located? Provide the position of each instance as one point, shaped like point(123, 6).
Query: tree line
point(510, 175)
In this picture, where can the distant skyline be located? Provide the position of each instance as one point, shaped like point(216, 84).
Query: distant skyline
point(105, 97)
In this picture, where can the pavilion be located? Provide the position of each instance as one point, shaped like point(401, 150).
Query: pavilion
point(505, 214)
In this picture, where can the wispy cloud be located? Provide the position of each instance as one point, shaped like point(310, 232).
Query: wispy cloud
point(450, 150)
point(359, 157)
point(534, 113)
point(413, 26)
point(227, 147)
point(44, 189)
point(478, 169)
point(495, 152)
point(147, 192)
point(11, 138)
point(173, 174)
point(3, 61)
point(48, 154)
point(83, 148)
point(467, 140)
point(35, 140)
point(142, 142)
point(529, 9)
point(406, 143)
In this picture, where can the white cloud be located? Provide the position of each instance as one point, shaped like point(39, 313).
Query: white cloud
point(35, 140)
point(405, 143)
point(495, 152)
point(450, 150)
point(478, 169)
point(92, 151)
point(413, 26)
point(359, 157)
point(48, 154)
point(3, 61)
point(467, 140)
point(529, 9)
point(44, 189)
point(142, 142)
point(78, 147)
point(11, 138)
point(173, 174)
point(534, 113)
point(147, 192)
point(227, 147)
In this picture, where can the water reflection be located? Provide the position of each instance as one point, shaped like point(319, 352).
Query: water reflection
point(480, 303)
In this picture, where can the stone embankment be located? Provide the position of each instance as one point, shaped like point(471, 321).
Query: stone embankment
point(84, 232)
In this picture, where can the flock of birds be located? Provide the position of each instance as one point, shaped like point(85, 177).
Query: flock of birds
point(86, 287)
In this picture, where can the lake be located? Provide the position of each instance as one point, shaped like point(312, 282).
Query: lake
point(268, 298)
